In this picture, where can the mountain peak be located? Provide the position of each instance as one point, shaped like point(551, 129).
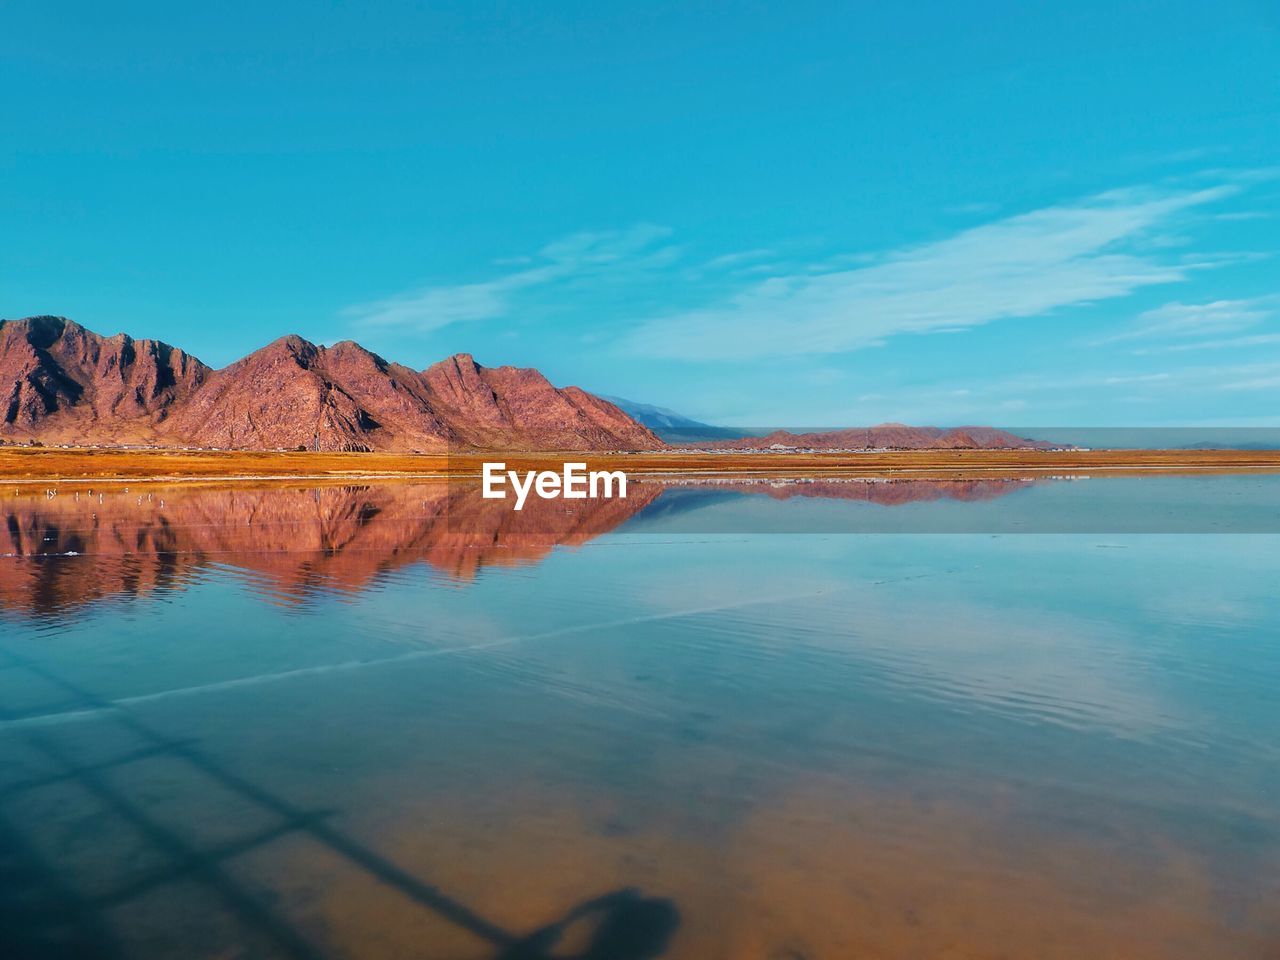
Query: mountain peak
point(292, 343)
point(290, 349)
point(461, 362)
point(41, 331)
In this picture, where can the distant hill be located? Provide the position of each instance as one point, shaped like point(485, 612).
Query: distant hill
point(674, 427)
point(887, 436)
point(61, 383)
point(1166, 438)
point(679, 430)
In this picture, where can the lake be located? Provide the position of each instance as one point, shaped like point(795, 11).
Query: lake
point(1003, 717)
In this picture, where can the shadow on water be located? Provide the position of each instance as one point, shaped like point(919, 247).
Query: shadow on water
point(627, 926)
point(40, 917)
point(43, 916)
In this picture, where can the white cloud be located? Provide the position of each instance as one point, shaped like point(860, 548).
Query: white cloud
point(1225, 343)
point(1137, 378)
point(433, 307)
point(1052, 396)
point(1021, 266)
point(581, 255)
point(727, 260)
point(1269, 379)
point(757, 306)
point(1197, 319)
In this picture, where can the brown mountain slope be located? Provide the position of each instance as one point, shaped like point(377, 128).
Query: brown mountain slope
point(512, 406)
point(59, 382)
point(69, 385)
point(292, 393)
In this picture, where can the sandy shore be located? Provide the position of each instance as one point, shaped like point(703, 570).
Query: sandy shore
point(31, 465)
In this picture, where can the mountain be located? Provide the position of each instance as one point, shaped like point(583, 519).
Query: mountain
point(59, 381)
point(671, 426)
point(887, 436)
point(62, 383)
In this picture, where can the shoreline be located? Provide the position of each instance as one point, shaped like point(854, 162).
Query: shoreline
point(28, 466)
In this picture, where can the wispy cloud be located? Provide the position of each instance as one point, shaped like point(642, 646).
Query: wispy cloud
point(1017, 267)
point(1267, 381)
point(1240, 216)
point(619, 287)
point(1223, 343)
point(737, 259)
point(576, 257)
point(1178, 319)
point(1053, 396)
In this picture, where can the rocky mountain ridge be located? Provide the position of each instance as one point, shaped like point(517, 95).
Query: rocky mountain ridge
point(62, 383)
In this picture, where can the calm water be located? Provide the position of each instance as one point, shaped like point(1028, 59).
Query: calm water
point(392, 722)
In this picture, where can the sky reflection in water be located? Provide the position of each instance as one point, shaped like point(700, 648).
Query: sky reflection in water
point(337, 723)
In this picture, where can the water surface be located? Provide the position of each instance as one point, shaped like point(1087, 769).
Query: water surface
point(399, 721)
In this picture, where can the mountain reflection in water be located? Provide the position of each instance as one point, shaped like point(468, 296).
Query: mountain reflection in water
point(85, 545)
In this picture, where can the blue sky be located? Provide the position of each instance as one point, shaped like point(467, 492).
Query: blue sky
point(802, 213)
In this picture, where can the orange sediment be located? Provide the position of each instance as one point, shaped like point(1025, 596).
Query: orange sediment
point(70, 465)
